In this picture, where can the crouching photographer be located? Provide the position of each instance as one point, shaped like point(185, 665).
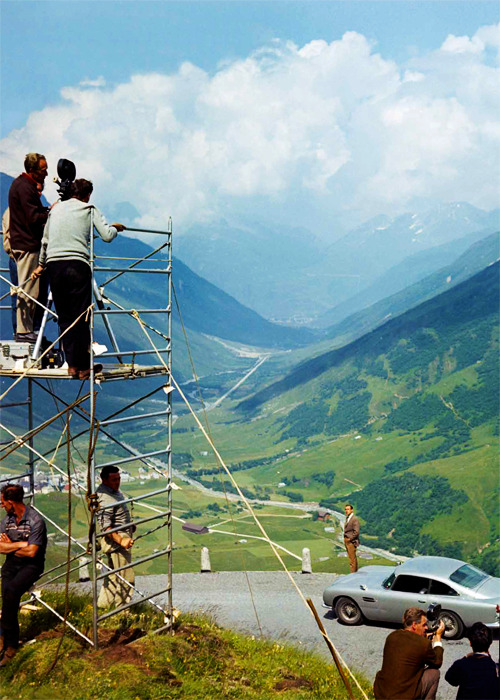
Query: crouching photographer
point(411, 660)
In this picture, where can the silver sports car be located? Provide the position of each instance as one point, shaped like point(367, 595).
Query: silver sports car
point(466, 594)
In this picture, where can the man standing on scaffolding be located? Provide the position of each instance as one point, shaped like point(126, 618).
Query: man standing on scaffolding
point(65, 252)
point(27, 220)
point(23, 538)
point(115, 592)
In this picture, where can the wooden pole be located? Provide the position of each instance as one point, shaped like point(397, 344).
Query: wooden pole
point(331, 648)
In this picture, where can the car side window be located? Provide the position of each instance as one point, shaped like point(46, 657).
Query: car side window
point(411, 584)
point(440, 588)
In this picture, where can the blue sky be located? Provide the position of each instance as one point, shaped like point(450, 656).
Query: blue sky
point(311, 109)
point(116, 39)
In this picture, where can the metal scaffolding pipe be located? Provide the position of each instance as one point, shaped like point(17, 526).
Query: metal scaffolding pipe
point(135, 352)
point(135, 602)
point(151, 271)
point(137, 416)
point(136, 499)
point(133, 458)
point(136, 562)
point(77, 631)
point(140, 521)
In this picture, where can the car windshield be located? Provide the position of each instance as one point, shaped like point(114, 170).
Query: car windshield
point(389, 581)
point(468, 576)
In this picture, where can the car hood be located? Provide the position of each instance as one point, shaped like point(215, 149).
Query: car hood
point(489, 589)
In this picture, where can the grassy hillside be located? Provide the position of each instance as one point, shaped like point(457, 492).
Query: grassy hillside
point(410, 339)
point(410, 408)
point(200, 661)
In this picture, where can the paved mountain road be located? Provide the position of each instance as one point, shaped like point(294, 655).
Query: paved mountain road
point(283, 616)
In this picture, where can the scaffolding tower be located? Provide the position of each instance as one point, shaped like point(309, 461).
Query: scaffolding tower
point(99, 423)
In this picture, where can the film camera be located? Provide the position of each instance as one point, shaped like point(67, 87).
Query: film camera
point(433, 615)
point(66, 171)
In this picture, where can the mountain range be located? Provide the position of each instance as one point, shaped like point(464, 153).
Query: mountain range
point(292, 275)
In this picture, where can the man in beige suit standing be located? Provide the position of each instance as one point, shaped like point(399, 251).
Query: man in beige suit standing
point(351, 537)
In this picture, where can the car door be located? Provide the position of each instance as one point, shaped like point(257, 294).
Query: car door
point(406, 591)
point(443, 594)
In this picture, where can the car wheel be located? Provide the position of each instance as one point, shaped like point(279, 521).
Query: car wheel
point(454, 625)
point(348, 612)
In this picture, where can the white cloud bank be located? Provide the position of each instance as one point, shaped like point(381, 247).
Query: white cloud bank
point(331, 127)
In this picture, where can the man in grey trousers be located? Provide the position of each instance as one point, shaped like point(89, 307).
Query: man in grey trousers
point(27, 221)
point(117, 545)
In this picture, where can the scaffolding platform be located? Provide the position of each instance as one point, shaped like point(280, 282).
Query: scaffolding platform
point(109, 372)
point(54, 439)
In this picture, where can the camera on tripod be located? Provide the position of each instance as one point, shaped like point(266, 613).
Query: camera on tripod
point(66, 171)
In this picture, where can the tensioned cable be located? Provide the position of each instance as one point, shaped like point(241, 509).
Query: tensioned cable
point(18, 289)
point(221, 481)
point(202, 402)
point(68, 551)
point(244, 499)
point(73, 442)
point(35, 362)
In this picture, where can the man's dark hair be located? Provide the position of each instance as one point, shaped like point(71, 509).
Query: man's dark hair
point(106, 471)
point(348, 505)
point(480, 637)
point(32, 161)
point(80, 189)
point(413, 615)
point(13, 492)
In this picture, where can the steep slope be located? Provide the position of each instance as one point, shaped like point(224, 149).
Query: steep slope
point(411, 270)
point(476, 258)
point(372, 249)
point(206, 308)
point(477, 298)
point(273, 269)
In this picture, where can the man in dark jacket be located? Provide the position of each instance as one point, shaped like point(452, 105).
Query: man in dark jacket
point(411, 661)
point(476, 674)
point(27, 220)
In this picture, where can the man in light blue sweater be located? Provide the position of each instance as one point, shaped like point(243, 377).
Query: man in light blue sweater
point(65, 254)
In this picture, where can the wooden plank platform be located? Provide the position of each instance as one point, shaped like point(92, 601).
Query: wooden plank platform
point(109, 372)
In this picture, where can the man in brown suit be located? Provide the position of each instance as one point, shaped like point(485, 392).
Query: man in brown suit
point(351, 537)
point(411, 661)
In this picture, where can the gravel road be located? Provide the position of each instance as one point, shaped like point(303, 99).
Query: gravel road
point(283, 615)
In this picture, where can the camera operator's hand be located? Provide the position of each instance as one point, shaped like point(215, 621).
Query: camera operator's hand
point(119, 227)
point(440, 631)
point(37, 272)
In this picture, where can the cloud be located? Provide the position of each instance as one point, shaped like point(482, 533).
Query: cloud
point(325, 129)
point(97, 82)
point(462, 44)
